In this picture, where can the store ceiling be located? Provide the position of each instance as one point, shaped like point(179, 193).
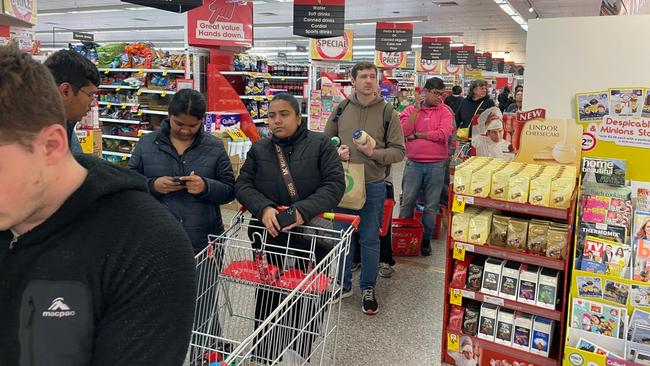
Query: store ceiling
point(478, 22)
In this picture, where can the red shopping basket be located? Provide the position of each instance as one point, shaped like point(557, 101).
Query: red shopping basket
point(387, 217)
point(407, 237)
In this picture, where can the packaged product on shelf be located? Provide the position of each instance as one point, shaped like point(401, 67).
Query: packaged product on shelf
point(540, 190)
point(462, 180)
point(639, 318)
point(487, 321)
point(251, 107)
point(499, 184)
point(528, 280)
point(518, 188)
point(459, 278)
point(456, 318)
point(480, 182)
point(547, 289)
point(475, 275)
point(562, 191)
point(505, 325)
point(537, 237)
point(517, 233)
point(263, 109)
point(499, 232)
point(509, 280)
point(542, 336)
point(606, 171)
point(479, 227)
point(460, 225)
point(249, 89)
point(470, 320)
point(212, 122)
point(606, 205)
point(492, 275)
point(556, 245)
point(523, 329)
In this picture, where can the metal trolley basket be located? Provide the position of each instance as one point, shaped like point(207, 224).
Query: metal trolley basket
point(269, 301)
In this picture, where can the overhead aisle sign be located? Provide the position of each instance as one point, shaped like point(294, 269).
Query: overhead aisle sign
point(484, 61)
point(333, 49)
point(498, 65)
point(390, 60)
point(393, 37)
point(461, 56)
point(221, 23)
point(319, 18)
point(436, 48)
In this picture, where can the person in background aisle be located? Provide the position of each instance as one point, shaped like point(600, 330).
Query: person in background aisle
point(504, 98)
point(455, 99)
point(427, 126)
point(187, 169)
point(365, 111)
point(476, 102)
point(77, 79)
point(84, 279)
point(516, 106)
point(317, 174)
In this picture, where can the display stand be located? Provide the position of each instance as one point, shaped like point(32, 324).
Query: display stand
point(488, 351)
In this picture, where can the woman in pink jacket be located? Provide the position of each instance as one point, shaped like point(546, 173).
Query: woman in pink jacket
point(427, 126)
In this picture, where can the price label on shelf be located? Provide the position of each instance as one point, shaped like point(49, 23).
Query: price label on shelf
point(139, 113)
point(109, 105)
point(165, 73)
point(459, 252)
point(107, 71)
point(123, 105)
point(118, 88)
point(453, 342)
point(139, 92)
point(455, 296)
point(458, 206)
point(163, 94)
point(141, 71)
point(493, 300)
point(283, 78)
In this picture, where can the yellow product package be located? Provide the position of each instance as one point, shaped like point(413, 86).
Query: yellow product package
point(518, 186)
point(480, 182)
point(540, 191)
point(462, 180)
point(499, 186)
point(479, 227)
point(460, 226)
point(561, 192)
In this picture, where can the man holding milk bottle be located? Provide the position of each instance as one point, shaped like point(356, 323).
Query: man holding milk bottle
point(367, 137)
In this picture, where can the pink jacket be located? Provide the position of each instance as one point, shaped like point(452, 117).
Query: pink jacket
point(437, 122)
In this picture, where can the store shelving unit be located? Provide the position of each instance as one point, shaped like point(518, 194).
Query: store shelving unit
point(159, 113)
point(124, 121)
point(113, 153)
point(456, 251)
point(263, 75)
point(118, 87)
point(124, 138)
point(148, 71)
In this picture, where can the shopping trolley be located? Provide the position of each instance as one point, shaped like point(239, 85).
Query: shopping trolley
point(269, 301)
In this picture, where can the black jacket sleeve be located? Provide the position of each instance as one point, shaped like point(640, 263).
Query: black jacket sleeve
point(245, 191)
point(329, 194)
point(149, 302)
point(135, 163)
point(222, 189)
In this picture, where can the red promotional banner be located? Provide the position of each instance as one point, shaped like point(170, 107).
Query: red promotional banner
point(221, 23)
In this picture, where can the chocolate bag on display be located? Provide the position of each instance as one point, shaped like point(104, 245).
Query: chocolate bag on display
point(355, 187)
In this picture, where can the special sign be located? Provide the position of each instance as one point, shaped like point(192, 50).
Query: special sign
point(24, 10)
point(390, 60)
point(423, 65)
point(318, 18)
point(335, 48)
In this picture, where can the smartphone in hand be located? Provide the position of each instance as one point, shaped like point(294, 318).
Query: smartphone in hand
point(179, 180)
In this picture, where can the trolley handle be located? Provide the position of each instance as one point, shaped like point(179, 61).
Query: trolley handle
point(353, 220)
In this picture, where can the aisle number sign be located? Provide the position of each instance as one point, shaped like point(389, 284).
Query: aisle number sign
point(390, 60)
point(333, 49)
point(24, 10)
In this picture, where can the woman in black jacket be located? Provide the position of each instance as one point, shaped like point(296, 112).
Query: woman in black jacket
point(187, 169)
point(317, 174)
point(476, 102)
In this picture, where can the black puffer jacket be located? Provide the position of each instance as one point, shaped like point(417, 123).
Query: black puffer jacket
point(315, 168)
point(155, 156)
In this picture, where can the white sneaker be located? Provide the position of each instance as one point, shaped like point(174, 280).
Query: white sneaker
point(385, 270)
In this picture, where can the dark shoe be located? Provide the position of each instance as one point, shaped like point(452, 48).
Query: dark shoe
point(426, 248)
point(369, 302)
point(356, 267)
point(344, 293)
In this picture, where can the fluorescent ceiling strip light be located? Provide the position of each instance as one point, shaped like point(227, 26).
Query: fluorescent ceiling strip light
point(93, 11)
point(508, 9)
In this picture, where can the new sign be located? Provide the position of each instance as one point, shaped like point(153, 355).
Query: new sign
point(221, 23)
point(319, 18)
point(333, 49)
point(436, 48)
point(462, 55)
point(390, 60)
point(177, 6)
point(393, 37)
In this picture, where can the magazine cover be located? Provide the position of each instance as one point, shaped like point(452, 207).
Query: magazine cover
point(605, 206)
point(639, 296)
point(590, 286)
point(639, 317)
point(617, 292)
point(592, 106)
point(646, 104)
point(596, 318)
point(626, 102)
point(606, 171)
point(643, 199)
point(641, 241)
point(612, 255)
point(610, 232)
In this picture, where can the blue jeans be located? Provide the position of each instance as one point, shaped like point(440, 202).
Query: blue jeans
point(430, 179)
point(371, 216)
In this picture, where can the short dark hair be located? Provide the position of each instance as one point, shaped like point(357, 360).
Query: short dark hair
point(434, 83)
point(68, 66)
point(362, 65)
point(519, 87)
point(188, 101)
point(456, 90)
point(293, 102)
point(29, 99)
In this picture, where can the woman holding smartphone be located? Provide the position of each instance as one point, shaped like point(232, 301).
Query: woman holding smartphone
point(187, 170)
point(295, 168)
